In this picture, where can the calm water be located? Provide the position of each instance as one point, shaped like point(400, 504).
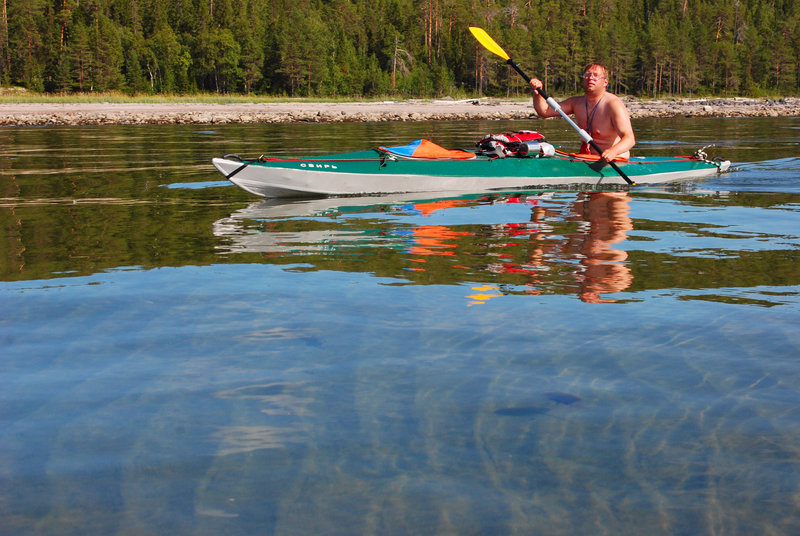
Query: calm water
point(179, 357)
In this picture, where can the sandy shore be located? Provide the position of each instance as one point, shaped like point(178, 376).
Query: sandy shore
point(30, 114)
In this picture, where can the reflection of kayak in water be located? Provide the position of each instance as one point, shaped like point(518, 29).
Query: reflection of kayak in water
point(390, 170)
point(422, 203)
point(251, 228)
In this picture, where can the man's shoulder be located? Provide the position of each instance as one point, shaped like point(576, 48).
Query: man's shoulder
point(614, 98)
point(616, 102)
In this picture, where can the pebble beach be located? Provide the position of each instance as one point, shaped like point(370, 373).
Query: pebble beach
point(43, 114)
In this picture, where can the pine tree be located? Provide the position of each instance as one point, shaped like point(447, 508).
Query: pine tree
point(25, 43)
point(5, 51)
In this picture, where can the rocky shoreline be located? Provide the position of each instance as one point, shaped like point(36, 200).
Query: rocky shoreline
point(44, 114)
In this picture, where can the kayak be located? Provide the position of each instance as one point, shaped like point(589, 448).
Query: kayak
point(423, 166)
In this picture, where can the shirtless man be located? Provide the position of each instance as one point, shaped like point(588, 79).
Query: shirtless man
point(600, 113)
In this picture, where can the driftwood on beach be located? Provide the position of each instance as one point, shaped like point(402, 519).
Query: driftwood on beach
point(42, 114)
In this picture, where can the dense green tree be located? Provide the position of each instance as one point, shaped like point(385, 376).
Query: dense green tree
point(106, 54)
point(26, 33)
point(78, 56)
point(218, 55)
point(414, 47)
point(134, 53)
point(305, 44)
point(164, 60)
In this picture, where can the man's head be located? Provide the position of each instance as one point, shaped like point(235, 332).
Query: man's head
point(595, 77)
point(595, 69)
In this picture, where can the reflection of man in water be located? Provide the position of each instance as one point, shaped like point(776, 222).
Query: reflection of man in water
point(607, 214)
point(603, 219)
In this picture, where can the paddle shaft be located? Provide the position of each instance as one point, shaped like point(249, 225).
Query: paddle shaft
point(555, 106)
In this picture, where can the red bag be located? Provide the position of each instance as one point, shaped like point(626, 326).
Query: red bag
point(510, 143)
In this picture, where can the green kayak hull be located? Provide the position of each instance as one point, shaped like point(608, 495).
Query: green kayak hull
point(376, 172)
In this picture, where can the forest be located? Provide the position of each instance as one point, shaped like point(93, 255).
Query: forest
point(411, 48)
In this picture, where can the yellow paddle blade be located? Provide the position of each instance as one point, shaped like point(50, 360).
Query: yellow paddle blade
point(488, 43)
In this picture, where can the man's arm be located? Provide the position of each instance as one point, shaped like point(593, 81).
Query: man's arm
point(621, 121)
point(541, 106)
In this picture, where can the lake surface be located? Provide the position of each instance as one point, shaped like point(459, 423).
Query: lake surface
point(179, 357)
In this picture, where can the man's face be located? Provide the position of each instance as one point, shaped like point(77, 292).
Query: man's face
point(594, 78)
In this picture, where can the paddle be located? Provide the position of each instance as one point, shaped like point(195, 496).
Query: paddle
point(490, 45)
